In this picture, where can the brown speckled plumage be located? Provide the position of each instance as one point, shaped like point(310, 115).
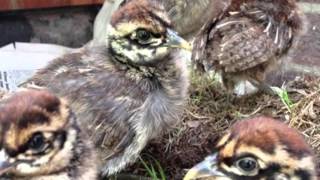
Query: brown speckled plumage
point(248, 39)
point(41, 139)
point(123, 100)
point(188, 16)
point(258, 148)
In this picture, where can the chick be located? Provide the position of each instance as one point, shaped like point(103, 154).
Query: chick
point(40, 139)
point(258, 148)
point(248, 39)
point(129, 90)
point(187, 16)
point(241, 39)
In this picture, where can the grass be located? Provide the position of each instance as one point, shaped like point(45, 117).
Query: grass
point(155, 174)
point(285, 99)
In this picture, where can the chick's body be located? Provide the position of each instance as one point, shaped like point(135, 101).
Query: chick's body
point(124, 93)
point(41, 139)
point(248, 39)
point(120, 108)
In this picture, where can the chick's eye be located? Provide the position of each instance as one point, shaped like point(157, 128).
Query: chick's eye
point(37, 142)
point(143, 35)
point(247, 164)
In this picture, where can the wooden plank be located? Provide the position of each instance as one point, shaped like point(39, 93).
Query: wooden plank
point(33, 4)
point(6, 5)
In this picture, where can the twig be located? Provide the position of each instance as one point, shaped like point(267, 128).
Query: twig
point(196, 116)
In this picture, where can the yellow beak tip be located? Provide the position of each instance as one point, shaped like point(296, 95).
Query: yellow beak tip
point(191, 174)
point(187, 46)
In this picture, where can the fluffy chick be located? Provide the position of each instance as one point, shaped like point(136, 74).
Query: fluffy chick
point(129, 90)
point(258, 148)
point(187, 16)
point(248, 39)
point(41, 140)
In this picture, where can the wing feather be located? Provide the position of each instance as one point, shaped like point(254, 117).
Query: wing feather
point(236, 45)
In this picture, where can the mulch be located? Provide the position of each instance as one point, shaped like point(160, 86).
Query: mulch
point(210, 112)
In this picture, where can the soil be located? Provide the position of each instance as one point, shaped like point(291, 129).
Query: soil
point(210, 112)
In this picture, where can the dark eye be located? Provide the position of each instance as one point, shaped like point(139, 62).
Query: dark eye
point(247, 164)
point(143, 35)
point(37, 142)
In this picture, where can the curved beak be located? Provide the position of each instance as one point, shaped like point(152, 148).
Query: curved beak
point(206, 168)
point(174, 40)
point(5, 165)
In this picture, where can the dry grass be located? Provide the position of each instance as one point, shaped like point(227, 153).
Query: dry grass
point(210, 113)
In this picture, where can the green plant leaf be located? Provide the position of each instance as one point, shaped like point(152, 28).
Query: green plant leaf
point(283, 94)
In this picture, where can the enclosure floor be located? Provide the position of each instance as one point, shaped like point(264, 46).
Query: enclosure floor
point(209, 114)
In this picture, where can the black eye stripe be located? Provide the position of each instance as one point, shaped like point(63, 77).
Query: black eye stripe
point(140, 46)
point(231, 160)
point(244, 155)
point(59, 137)
point(135, 41)
point(303, 174)
point(33, 118)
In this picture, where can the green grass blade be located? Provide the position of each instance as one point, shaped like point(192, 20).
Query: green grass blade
point(161, 171)
point(283, 94)
point(149, 170)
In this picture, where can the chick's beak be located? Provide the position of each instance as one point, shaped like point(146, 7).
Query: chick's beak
point(206, 168)
point(176, 41)
point(5, 165)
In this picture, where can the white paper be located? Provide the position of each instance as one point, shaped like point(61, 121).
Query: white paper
point(19, 61)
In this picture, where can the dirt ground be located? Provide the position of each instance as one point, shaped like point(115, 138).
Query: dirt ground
point(210, 113)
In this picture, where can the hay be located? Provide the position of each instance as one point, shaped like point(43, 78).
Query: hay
point(210, 113)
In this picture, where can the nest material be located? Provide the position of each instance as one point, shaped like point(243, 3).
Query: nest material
point(210, 113)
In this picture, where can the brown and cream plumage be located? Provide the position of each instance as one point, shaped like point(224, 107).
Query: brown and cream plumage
point(187, 16)
point(40, 139)
point(247, 39)
point(258, 149)
point(128, 91)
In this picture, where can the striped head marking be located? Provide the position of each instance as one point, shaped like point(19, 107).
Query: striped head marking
point(35, 133)
point(140, 34)
point(258, 148)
